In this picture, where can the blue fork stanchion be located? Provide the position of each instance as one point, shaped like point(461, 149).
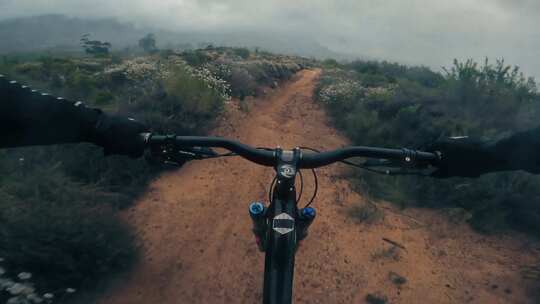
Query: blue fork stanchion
point(306, 217)
point(257, 212)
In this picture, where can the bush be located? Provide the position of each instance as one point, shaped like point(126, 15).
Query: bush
point(241, 52)
point(185, 105)
point(330, 63)
point(190, 100)
point(104, 98)
point(195, 58)
point(55, 229)
point(391, 105)
point(148, 43)
point(392, 71)
point(58, 204)
point(242, 83)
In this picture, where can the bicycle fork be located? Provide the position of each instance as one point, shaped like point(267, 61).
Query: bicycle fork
point(261, 223)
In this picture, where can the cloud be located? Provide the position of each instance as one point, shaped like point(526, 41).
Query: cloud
point(430, 32)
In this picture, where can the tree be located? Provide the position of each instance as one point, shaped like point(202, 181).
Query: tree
point(148, 43)
point(94, 47)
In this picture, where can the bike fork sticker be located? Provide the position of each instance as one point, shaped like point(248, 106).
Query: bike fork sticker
point(283, 223)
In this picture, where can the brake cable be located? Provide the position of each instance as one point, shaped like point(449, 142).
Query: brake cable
point(364, 167)
point(230, 154)
point(301, 186)
point(271, 190)
point(315, 190)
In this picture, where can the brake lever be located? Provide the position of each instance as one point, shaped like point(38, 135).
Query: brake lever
point(380, 163)
point(197, 152)
point(403, 171)
point(397, 167)
point(170, 154)
point(408, 162)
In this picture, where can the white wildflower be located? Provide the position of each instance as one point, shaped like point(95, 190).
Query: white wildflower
point(14, 300)
point(24, 276)
point(34, 298)
point(48, 296)
point(6, 283)
point(16, 288)
point(70, 290)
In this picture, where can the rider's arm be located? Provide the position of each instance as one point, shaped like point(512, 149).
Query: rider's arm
point(471, 158)
point(518, 152)
point(28, 117)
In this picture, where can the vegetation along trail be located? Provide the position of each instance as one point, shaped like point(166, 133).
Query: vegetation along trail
point(198, 248)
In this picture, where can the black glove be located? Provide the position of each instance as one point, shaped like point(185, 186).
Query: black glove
point(461, 156)
point(120, 135)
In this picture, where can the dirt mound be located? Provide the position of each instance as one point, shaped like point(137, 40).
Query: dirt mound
point(198, 248)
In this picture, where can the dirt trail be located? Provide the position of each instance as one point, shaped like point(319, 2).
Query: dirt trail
point(198, 248)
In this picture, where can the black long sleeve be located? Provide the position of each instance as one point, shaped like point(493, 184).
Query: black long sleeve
point(28, 117)
point(520, 151)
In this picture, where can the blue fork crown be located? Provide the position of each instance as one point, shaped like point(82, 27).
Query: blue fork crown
point(308, 213)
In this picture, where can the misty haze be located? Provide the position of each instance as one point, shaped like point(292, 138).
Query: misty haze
point(414, 32)
point(173, 151)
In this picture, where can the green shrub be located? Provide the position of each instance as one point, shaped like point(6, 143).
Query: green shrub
point(392, 71)
point(241, 52)
point(242, 83)
point(104, 98)
point(330, 63)
point(58, 204)
point(184, 105)
point(391, 105)
point(190, 100)
point(54, 228)
point(195, 58)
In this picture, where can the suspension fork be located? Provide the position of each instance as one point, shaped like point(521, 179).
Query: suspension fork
point(279, 228)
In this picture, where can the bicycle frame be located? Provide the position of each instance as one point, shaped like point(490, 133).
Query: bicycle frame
point(280, 244)
point(281, 225)
point(281, 238)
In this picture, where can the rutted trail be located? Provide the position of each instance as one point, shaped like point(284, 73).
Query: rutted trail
point(198, 248)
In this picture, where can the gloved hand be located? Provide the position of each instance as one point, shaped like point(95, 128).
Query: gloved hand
point(120, 135)
point(461, 156)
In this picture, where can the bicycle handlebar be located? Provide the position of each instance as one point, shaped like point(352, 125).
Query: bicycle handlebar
point(307, 161)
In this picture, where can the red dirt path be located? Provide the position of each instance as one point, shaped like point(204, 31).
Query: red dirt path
point(198, 248)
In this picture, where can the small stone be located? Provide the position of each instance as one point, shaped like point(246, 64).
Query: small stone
point(376, 299)
point(397, 279)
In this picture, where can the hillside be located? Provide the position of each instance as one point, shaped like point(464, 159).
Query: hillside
point(64, 229)
point(61, 33)
point(95, 218)
point(197, 246)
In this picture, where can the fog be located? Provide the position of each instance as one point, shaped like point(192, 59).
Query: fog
point(430, 32)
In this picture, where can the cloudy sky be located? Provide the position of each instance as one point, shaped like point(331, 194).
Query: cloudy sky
point(430, 32)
